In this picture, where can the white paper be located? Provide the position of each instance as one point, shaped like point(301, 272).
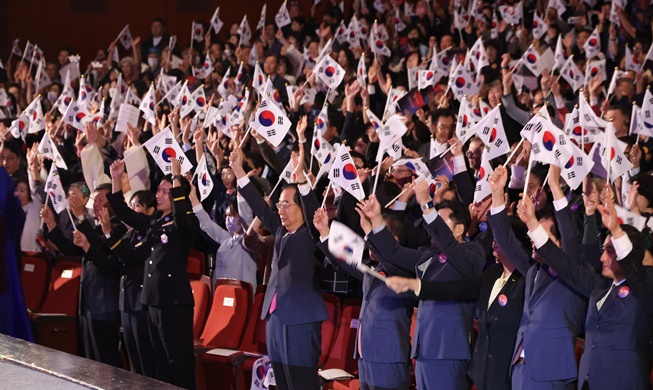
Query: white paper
point(335, 374)
point(228, 302)
point(128, 114)
point(222, 352)
point(67, 274)
point(29, 268)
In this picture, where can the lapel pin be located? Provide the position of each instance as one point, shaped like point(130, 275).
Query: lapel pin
point(624, 292)
point(164, 239)
point(442, 258)
point(502, 299)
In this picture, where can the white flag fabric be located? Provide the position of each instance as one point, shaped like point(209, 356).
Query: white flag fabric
point(41, 79)
point(353, 32)
point(377, 45)
point(240, 76)
point(198, 32)
point(572, 74)
point(345, 244)
point(646, 114)
point(273, 94)
point(560, 57)
point(173, 94)
point(627, 217)
point(67, 96)
point(216, 23)
point(19, 126)
point(390, 135)
point(148, 105)
point(204, 181)
point(258, 81)
point(282, 18)
point(531, 60)
point(330, 72)
point(616, 75)
point(321, 148)
point(198, 99)
point(163, 148)
point(343, 173)
point(271, 122)
point(549, 144)
point(48, 149)
point(637, 125)
point(576, 168)
point(244, 31)
point(76, 116)
point(614, 161)
point(512, 15)
point(464, 82)
point(86, 94)
point(416, 166)
point(261, 21)
point(559, 6)
point(540, 27)
point(478, 56)
point(632, 61)
point(490, 130)
point(322, 120)
point(426, 78)
point(206, 69)
point(399, 24)
point(326, 166)
point(238, 113)
point(482, 189)
point(125, 38)
point(55, 190)
point(574, 129)
point(593, 44)
point(288, 173)
point(465, 121)
point(596, 68)
point(361, 72)
point(35, 114)
point(588, 119)
point(185, 101)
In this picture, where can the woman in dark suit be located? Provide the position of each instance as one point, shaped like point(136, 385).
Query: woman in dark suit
point(132, 253)
point(500, 294)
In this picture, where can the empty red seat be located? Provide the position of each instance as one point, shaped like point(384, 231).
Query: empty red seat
point(34, 277)
point(342, 352)
point(55, 325)
point(196, 264)
point(329, 326)
point(201, 296)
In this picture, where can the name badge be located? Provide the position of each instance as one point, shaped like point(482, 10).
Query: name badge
point(164, 239)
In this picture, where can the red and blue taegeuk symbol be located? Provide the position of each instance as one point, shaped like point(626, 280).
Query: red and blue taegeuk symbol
point(204, 179)
point(531, 58)
point(266, 118)
point(548, 140)
point(493, 134)
point(570, 163)
point(579, 131)
point(379, 44)
point(349, 171)
point(460, 82)
point(320, 124)
point(594, 71)
point(330, 71)
point(275, 95)
point(592, 42)
point(481, 174)
point(411, 166)
point(167, 154)
point(317, 144)
point(429, 76)
point(80, 116)
point(200, 101)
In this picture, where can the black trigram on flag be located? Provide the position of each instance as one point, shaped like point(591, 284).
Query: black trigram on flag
point(280, 120)
point(168, 141)
point(498, 142)
point(557, 154)
point(579, 161)
point(272, 132)
point(157, 149)
point(168, 168)
point(181, 160)
point(52, 185)
point(46, 150)
point(561, 140)
point(618, 160)
point(344, 157)
point(355, 186)
point(571, 175)
point(336, 172)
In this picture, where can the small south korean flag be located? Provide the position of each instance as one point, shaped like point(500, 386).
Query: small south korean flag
point(345, 244)
point(271, 122)
point(343, 173)
point(204, 182)
point(330, 72)
point(163, 147)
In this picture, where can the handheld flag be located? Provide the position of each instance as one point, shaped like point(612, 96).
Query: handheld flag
point(343, 173)
point(164, 148)
point(55, 190)
point(271, 122)
point(204, 181)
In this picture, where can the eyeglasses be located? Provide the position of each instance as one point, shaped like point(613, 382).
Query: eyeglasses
point(446, 127)
point(284, 205)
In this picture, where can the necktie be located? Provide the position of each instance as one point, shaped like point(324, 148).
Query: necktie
point(496, 289)
point(602, 301)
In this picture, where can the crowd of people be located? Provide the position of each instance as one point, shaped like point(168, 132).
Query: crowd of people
point(494, 157)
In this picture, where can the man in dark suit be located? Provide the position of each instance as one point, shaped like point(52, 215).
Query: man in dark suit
point(383, 363)
point(500, 295)
point(620, 317)
point(166, 292)
point(293, 304)
point(543, 354)
point(279, 83)
point(99, 315)
point(159, 39)
point(441, 343)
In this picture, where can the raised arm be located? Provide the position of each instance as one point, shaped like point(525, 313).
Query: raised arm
point(185, 219)
point(251, 195)
point(117, 201)
point(426, 290)
point(572, 243)
point(215, 231)
point(321, 223)
point(577, 274)
point(498, 219)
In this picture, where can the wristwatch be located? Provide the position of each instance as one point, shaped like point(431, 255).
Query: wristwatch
point(178, 177)
point(428, 205)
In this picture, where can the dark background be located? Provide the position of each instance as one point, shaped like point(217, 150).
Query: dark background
point(88, 25)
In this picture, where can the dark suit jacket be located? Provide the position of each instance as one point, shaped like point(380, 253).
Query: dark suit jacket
point(296, 265)
point(100, 273)
point(617, 350)
point(553, 310)
point(132, 252)
point(443, 329)
point(497, 325)
point(169, 238)
point(385, 317)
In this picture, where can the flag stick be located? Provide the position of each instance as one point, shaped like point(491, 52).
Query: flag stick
point(245, 137)
point(308, 79)
point(310, 164)
point(528, 174)
point(192, 31)
point(445, 152)
point(326, 195)
point(47, 197)
point(368, 270)
point(168, 93)
point(378, 173)
point(512, 154)
point(24, 52)
point(251, 225)
point(36, 47)
point(71, 218)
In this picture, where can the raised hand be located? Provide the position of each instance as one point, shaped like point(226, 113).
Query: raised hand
point(422, 192)
point(117, 168)
point(48, 217)
point(456, 147)
point(236, 163)
point(631, 199)
point(133, 134)
point(80, 240)
point(352, 89)
point(609, 216)
point(298, 164)
point(365, 222)
point(591, 198)
point(105, 220)
point(76, 206)
point(400, 285)
point(321, 222)
point(301, 127)
point(194, 200)
point(526, 212)
point(176, 167)
point(372, 210)
point(92, 133)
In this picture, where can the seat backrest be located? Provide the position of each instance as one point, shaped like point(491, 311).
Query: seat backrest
point(329, 326)
point(412, 324)
point(228, 315)
point(63, 294)
point(254, 335)
point(34, 277)
point(196, 264)
point(342, 352)
point(201, 296)
point(578, 349)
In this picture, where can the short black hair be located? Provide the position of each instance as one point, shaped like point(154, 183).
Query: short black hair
point(459, 213)
point(296, 196)
point(160, 20)
point(638, 240)
point(145, 198)
point(104, 187)
point(184, 183)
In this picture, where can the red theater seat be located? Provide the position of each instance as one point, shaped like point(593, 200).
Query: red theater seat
point(202, 297)
point(34, 277)
point(55, 325)
point(342, 352)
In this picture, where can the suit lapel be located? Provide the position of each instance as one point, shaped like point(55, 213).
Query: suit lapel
point(542, 280)
point(610, 299)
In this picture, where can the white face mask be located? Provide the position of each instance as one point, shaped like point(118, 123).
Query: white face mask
point(52, 96)
point(518, 34)
point(112, 92)
point(152, 62)
point(227, 53)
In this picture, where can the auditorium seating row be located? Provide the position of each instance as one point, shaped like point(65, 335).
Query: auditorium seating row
point(229, 334)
